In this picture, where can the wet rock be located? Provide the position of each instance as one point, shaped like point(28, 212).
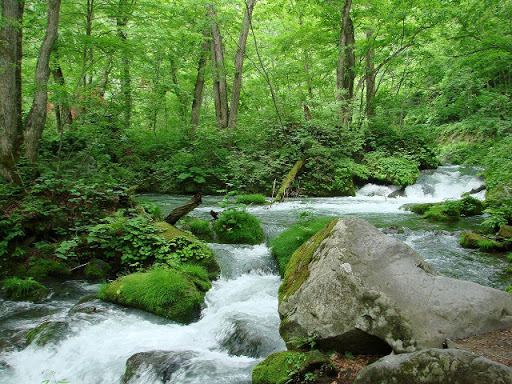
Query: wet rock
point(398, 193)
point(435, 366)
point(244, 338)
point(48, 332)
point(352, 288)
point(97, 270)
point(159, 365)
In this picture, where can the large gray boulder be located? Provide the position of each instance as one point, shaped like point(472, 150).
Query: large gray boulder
point(435, 366)
point(351, 287)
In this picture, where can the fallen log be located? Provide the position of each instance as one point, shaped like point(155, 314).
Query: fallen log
point(183, 210)
point(288, 180)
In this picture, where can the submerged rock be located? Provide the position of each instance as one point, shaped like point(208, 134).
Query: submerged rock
point(435, 366)
point(159, 365)
point(352, 288)
point(48, 332)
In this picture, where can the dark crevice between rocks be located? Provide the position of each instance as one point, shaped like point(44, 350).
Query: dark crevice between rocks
point(357, 342)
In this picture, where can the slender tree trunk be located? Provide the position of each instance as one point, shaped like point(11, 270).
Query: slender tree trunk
point(346, 60)
point(87, 55)
point(177, 91)
point(62, 109)
point(219, 77)
point(36, 119)
point(11, 127)
point(239, 63)
point(126, 80)
point(199, 87)
point(370, 79)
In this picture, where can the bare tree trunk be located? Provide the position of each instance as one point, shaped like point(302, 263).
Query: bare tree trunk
point(346, 60)
point(198, 91)
point(370, 79)
point(87, 54)
point(126, 80)
point(62, 110)
point(239, 63)
point(36, 119)
point(177, 91)
point(219, 77)
point(11, 126)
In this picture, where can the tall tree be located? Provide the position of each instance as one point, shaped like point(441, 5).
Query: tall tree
point(239, 63)
point(36, 119)
point(199, 85)
point(345, 74)
point(11, 126)
point(124, 11)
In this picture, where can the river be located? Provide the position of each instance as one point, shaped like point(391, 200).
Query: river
point(239, 324)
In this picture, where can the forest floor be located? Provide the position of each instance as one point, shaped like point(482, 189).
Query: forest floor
point(496, 346)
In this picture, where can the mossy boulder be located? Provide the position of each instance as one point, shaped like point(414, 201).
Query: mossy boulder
point(23, 289)
point(235, 226)
point(292, 367)
point(450, 210)
point(505, 232)
point(97, 270)
point(44, 268)
point(435, 366)
point(48, 332)
point(173, 293)
point(476, 241)
point(202, 229)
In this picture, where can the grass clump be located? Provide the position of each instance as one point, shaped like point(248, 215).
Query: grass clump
point(174, 293)
point(236, 226)
point(23, 289)
point(254, 199)
point(291, 239)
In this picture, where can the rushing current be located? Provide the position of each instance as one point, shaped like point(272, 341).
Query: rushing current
point(239, 324)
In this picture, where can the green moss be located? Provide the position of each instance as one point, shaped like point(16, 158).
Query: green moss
point(476, 241)
point(43, 268)
point(23, 289)
point(289, 240)
point(297, 270)
point(419, 209)
point(171, 293)
point(97, 269)
point(199, 228)
point(288, 366)
point(252, 199)
point(443, 212)
point(236, 226)
point(448, 210)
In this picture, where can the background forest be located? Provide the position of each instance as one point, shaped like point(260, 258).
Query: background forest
point(181, 96)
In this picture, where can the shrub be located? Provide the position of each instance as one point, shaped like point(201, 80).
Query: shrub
point(174, 293)
point(199, 228)
point(23, 289)
point(292, 238)
point(255, 199)
point(401, 171)
point(236, 226)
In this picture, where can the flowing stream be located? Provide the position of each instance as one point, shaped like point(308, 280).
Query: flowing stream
point(239, 324)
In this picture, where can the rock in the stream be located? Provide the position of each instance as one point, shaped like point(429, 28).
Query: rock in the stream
point(505, 232)
point(435, 366)
point(48, 332)
point(159, 365)
point(352, 288)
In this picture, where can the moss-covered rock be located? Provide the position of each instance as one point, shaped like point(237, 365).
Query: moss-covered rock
point(505, 232)
point(443, 212)
point(173, 293)
point(476, 241)
point(448, 210)
point(48, 332)
point(291, 239)
point(43, 268)
point(23, 289)
point(292, 367)
point(96, 270)
point(236, 226)
point(297, 271)
point(199, 253)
